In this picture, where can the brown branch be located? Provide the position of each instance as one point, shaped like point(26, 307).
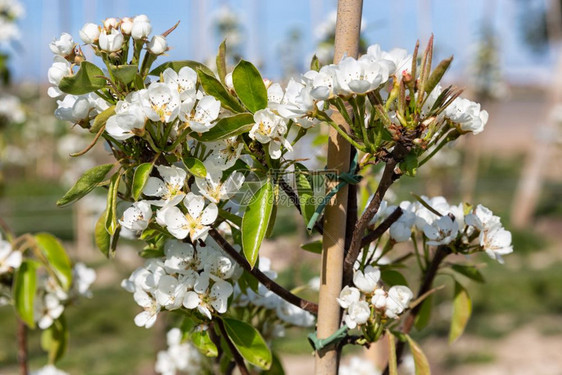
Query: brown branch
point(309, 306)
point(440, 254)
point(387, 179)
point(22, 347)
point(235, 354)
point(383, 227)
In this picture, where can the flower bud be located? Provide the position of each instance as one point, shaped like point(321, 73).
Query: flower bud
point(90, 33)
point(126, 25)
point(158, 45)
point(110, 23)
point(63, 46)
point(141, 27)
point(111, 42)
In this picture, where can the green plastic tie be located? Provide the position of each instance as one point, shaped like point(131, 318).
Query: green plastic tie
point(344, 178)
point(319, 344)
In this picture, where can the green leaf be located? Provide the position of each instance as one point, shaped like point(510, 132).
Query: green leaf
point(221, 62)
point(86, 183)
point(56, 255)
point(25, 286)
point(111, 209)
point(410, 164)
point(469, 271)
point(101, 119)
point(249, 86)
point(313, 247)
point(237, 220)
point(89, 78)
point(54, 340)
point(101, 235)
point(276, 366)
point(214, 87)
point(424, 314)
point(462, 307)
point(142, 173)
point(392, 363)
point(202, 341)
point(256, 220)
point(305, 189)
point(315, 63)
point(125, 73)
point(177, 65)
point(420, 360)
point(227, 127)
point(195, 167)
point(249, 342)
point(437, 74)
point(271, 224)
point(392, 277)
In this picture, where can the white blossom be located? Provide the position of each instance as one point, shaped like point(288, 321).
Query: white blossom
point(136, 217)
point(63, 46)
point(112, 41)
point(200, 118)
point(47, 310)
point(158, 45)
point(357, 313)
point(195, 222)
point(9, 258)
point(441, 232)
point(270, 128)
point(367, 279)
point(169, 188)
point(141, 27)
point(398, 299)
point(348, 295)
point(82, 278)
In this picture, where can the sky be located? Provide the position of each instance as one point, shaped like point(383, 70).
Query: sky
point(267, 24)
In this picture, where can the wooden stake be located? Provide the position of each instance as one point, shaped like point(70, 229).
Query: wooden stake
point(348, 28)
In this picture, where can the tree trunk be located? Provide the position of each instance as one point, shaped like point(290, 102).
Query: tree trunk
point(348, 28)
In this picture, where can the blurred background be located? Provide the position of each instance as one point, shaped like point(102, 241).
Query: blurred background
point(507, 57)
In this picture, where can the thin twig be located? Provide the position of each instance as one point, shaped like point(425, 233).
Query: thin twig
point(296, 202)
point(309, 306)
point(440, 254)
point(383, 227)
point(22, 347)
point(235, 354)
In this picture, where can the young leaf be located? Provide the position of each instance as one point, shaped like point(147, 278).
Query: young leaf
point(410, 164)
point(305, 189)
point(437, 74)
point(212, 86)
point(101, 235)
point(424, 313)
point(54, 340)
point(57, 258)
point(101, 119)
point(276, 366)
point(392, 363)
point(125, 73)
point(256, 220)
point(221, 62)
point(89, 78)
point(177, 65)
point(249, 86)
point(462, 307)
point(469, 271)
point(313, 247)
point(315, 63)
point(111, 209)
point(25, 286)
point(195, 167)
point(249, 342)
point(227, 127)
point(420, 360)
point(392, 277)
point(203, 342)
point(142, 173)
point(86, 183)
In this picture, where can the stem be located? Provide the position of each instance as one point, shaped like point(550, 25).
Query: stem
point(311, 307)
point(235, 354)
point(22, 347)
point(440, 254)
point(383, 227)
point(348, 25)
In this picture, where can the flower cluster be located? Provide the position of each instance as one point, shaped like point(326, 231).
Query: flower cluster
point(52, 298)
point(180, 356)
point(193, 277)
point(10, 259)
point(10, 11)
point(367, 296)
point(457, 224)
